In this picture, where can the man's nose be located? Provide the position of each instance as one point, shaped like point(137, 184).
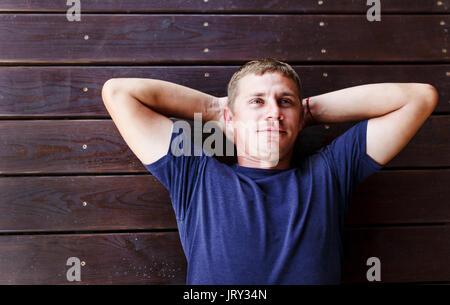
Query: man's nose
point(273, 110)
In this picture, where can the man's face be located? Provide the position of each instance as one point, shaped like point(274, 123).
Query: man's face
point(266, 117)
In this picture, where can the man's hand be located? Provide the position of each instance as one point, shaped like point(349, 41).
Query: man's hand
point(217, 114)
point(221, 104)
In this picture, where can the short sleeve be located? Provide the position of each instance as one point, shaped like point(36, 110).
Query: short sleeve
point(179, 170)
point(348, 159)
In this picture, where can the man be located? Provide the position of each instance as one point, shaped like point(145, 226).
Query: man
point(261, 221)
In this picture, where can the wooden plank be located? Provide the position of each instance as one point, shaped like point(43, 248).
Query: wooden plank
point(113, 203)
point(92, 146)
point(90, 203)
point(53, 92)
point(401, 197)
point(129, 258)
point(61, 146)
point(407, 254)
point(140, 39)
point(233, 6)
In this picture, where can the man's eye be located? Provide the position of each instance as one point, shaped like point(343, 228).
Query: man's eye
point(258, 100)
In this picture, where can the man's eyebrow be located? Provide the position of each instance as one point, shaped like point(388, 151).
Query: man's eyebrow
point(285, 93)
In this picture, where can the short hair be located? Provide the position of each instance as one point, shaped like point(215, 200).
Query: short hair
point(259, 67)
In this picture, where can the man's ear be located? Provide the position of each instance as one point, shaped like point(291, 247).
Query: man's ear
point(228, 115)
point(228, 121)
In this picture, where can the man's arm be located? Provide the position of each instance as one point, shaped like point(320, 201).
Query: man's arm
point(140, 107)
point(395, 111)
point(169, 99)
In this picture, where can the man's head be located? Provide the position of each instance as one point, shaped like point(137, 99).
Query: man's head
point(264, 94)
point(260, 67)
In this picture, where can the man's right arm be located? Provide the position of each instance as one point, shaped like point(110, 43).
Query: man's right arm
point(140, 109)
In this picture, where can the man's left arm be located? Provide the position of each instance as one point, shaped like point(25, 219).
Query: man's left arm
point(395, 112)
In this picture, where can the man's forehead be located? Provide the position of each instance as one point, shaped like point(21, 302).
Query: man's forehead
point(257, 85)
point(283, 93)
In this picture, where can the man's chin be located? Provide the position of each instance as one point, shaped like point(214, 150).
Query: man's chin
point(269, 156)
point(268, 162)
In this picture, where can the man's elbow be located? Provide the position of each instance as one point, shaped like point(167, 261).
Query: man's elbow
point(110, 88)
point(429, 95)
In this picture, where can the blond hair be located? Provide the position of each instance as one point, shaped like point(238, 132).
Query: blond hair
point(259, 67)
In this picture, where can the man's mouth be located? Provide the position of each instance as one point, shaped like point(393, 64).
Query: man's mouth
point(273, 130)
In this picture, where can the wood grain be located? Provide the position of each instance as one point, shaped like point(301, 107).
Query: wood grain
point(129, 258)
point(84, 203)
point(75, 92)
point(229, 6)
point(144, 39)
point(401, 197)
point(71, 187)
point(93, 146)
point(408, 254)
point(140, 202)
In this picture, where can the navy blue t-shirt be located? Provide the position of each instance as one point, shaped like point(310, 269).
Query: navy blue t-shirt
point(249, 226)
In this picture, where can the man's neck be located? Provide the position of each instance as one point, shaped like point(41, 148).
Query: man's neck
point(252, 162)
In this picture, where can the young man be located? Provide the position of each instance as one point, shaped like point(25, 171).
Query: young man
point(261, 221)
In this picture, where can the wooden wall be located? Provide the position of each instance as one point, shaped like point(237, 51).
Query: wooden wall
point(72, 188)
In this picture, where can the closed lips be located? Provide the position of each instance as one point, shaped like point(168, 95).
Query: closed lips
point(274, 130)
